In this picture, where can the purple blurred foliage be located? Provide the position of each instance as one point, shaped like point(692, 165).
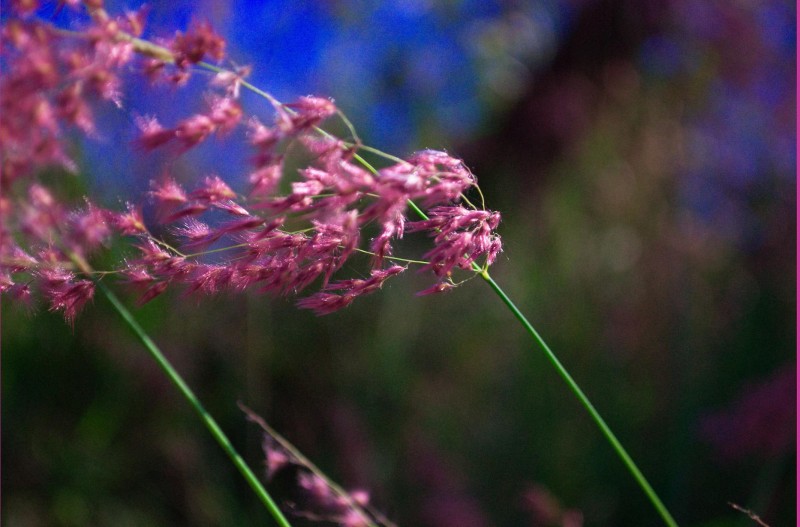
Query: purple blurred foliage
point(737, 63)
point(444, 500)
point(760, 422)
point(546, 510)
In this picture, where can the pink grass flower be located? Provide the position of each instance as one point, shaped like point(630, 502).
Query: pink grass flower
point(231, 207)
point(199, 41)
point(323, 303)
point(461, 236)
point(214, 189)
point(129, 222)
point(65, 293)
point(265, 179)
point(231, 81)
point(88, 228)
point(224, 112)
point(153, 134)
point(310, 111)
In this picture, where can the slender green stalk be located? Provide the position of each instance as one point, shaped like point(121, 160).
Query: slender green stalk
point(562, 371)
point(187, 392)
point(634, 470)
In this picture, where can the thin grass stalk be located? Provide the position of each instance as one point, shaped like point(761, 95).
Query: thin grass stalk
point(576, 389)
point(189, 395)
point(582, 397)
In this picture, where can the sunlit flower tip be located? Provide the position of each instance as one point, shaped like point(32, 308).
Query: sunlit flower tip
point(403, 177)
point(18, 261)
point(152, 252)
point(354, 518)
point(5, 282)
point(179, 77)
point(435, 157)
point(200, 40)
point(439, 287)
point(134, 21)
point(266, 178)
point(194, 130)
point(89, 227)
point(316, 486)
point(309, 112)
point(129, 222)
point(260, 135)
point(360, 497)
point(303, 189)
point(153, 68)
point(66, 294)
point(107, 85)
point(153, 134)
point(54, 278)
point(325, 147)
point(495, 248)
point(214, 189)
point(314, 107)
point(442, 166)
point(276, 460)
point(381, 247)
point(454, 250)
point(137, 276)
point(231, 81)
point(315, 174)
point(231, 207)
point(225, 113)
point(40, 197)
point(167, 191)
point(196, 232)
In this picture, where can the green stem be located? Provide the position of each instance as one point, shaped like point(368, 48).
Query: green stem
point(626, 459)
point(187, 392)
point(562, 371)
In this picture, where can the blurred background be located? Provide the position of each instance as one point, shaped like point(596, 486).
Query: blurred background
point(642, 153)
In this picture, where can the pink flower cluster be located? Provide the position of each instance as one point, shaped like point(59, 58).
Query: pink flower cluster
point(273, 240)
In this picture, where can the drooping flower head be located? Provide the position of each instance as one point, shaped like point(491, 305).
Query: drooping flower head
point(288, 232)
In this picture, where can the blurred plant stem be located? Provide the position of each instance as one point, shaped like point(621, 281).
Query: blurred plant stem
point(187, 392)
point(598, 419)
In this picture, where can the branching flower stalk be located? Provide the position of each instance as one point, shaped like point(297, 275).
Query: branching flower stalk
point(275, 242)
point(333, 503)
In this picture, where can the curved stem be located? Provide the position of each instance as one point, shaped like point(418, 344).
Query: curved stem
point(598, 419)
point(187, 392)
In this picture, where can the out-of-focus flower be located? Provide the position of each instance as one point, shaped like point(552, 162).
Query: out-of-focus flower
point(760, 421)
point(545, 509)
